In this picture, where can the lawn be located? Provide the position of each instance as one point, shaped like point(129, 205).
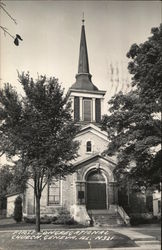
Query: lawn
point(62, 239)
point(16, 236)
point(10, 224)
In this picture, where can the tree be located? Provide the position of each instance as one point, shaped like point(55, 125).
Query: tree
point(12, 180)
point(134, 126)
point(6, 178)
point(39, 130)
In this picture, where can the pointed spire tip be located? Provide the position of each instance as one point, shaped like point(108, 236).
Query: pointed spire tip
point(83, 20)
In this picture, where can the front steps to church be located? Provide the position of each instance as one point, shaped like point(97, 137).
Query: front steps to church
point(106, 218)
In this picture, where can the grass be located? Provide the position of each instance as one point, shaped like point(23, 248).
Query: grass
point(7, 227)
point(79, 242)
point(10, 224)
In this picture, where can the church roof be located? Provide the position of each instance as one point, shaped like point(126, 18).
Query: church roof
point(93, 158)
point(83, 78)
point(94, 129)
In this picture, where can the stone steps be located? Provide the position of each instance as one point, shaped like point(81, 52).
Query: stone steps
point(99, 211)
point(104, 218)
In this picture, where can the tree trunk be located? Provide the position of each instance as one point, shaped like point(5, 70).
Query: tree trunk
point(37, 228)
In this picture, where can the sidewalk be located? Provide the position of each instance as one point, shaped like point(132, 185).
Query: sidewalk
point(147, 237)
point(145, 232)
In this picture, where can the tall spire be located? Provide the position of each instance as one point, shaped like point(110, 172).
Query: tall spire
point(83, 78)
point(83, 66)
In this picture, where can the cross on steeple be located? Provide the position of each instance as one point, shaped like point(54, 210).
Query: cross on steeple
point(83, 20)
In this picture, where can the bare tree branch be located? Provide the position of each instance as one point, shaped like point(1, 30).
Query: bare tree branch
point(2, 4)
point(1, 154)
point(17, 37)
point(8, 14)
point(30, 185)
point(5, 31)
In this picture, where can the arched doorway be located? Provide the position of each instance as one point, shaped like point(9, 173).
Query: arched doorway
point(96, 190)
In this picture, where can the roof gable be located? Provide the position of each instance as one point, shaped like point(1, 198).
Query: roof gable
point(94, 130)
point(93, 158)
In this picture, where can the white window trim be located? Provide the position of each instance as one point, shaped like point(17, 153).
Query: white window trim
point(52, 204)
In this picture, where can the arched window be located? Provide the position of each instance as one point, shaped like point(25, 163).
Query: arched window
point(95, 177)
point(89, 146)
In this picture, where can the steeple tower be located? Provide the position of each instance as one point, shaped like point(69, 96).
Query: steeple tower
point(86, 98)
point(83, 78)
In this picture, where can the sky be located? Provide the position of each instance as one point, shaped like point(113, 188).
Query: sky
point(51, 36)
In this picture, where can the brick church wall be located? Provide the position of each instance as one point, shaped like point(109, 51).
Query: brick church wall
point(67, 198)
point(98, 145)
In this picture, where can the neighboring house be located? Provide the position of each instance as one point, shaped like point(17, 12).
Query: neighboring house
point(93, 186)
point(157, 203)
point(11, 203)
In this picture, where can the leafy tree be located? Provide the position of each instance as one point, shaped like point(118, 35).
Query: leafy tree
point(19, 178)
point(39, 130)
point(6, 178)
point(12, 179)
point(134, 126)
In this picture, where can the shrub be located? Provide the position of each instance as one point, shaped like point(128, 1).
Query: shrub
point(43, 220)
point(64, 217)
point(144, 218)
point(29, 220)
point(18, 209)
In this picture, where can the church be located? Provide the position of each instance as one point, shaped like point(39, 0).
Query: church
point(90, 192)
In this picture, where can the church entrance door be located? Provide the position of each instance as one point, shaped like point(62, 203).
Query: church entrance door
point(96, 191)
